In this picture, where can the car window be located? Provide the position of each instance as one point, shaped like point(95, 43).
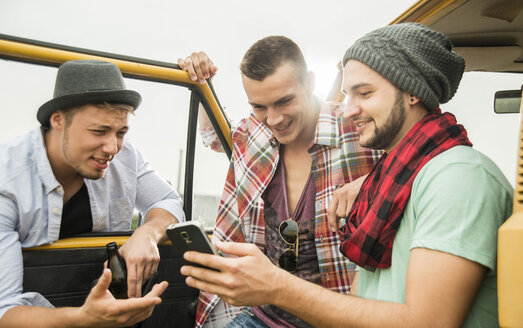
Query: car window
point(158, 129)
point(210, 170)
point(495, 135)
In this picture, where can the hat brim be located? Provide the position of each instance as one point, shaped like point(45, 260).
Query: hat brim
point(128, 97)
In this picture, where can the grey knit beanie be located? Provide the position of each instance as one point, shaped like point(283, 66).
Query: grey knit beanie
point(414, 58)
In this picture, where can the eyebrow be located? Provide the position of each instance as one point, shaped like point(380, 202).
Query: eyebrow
point(355, 87)
point(359, 85)
point(283, 99)
point(108, 127)
point(255, 104)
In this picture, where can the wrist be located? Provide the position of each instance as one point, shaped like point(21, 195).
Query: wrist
point(280, 284)
point(151, 231)
point(157, 221)
point(77, 317)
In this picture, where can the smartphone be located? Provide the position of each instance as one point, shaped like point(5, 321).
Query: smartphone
point(190, 236)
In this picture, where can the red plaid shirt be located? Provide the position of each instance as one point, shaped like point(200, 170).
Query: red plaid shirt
point(337, 158)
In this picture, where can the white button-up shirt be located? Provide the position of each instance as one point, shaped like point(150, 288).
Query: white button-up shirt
point(31, 202)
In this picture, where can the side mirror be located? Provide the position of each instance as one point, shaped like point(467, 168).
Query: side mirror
point(507, 101)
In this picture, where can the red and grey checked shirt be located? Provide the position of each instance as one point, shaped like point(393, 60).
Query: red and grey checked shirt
point(337, 158)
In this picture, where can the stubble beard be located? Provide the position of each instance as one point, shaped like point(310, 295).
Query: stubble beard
point(385, 135)
point(83, 173)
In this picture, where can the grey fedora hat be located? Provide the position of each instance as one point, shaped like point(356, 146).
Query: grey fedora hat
point(87, 81)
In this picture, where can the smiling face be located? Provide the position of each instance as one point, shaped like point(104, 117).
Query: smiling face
point(92, 136)
point(375, 105)
point(284, 104)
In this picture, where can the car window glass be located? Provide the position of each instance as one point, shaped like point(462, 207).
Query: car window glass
point(158, 128)
point(495, 135)
point(210, 169)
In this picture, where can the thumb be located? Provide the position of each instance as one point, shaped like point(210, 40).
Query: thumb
point(238, 249)
point(103, 283)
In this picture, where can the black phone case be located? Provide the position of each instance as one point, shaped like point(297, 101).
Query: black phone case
point(190, 238)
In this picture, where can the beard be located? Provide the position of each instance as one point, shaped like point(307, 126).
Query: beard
point(82, 172)
point(385, 135)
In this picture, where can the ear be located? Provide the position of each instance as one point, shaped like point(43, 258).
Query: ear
point(57, 120)
point(413, 100)
point(310, 82)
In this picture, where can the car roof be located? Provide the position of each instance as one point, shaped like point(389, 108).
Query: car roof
point(487, 33)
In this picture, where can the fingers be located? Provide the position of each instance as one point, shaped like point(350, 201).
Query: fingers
point(331, 213)
point(341, 202)
point(150, 269)
point(342, 210)
point(205, 286)
point(135, 280)
point(182, 64)
point(199, 66)
point(212, 68)
point(238, 249)
point(208, 260)
point(139, 270)
point(142, 258)
point(209, 281)
point(157, 289)
point(103, 284)
point(102, 310)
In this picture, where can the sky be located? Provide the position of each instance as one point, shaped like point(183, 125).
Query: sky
point(167, 30)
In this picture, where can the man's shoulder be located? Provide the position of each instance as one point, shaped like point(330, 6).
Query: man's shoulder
point(247, 125)
point(250, 130)
point(465, 164)
point(17, 156)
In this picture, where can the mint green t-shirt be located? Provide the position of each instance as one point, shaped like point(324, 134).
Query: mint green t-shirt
point(458, 201)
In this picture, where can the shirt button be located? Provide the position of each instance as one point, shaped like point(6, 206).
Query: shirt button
point(56, 211)
point(60, 191)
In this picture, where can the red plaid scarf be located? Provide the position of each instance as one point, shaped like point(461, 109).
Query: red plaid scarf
point(376, 214)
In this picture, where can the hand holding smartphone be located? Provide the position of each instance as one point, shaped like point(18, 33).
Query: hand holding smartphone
point(190, 236)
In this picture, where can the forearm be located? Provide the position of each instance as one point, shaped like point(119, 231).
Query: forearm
point(41, 317)
point(324, 308)
point(156, 222)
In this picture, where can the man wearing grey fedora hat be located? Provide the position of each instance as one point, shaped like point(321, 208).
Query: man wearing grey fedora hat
point(423, 228)
point(77, 173)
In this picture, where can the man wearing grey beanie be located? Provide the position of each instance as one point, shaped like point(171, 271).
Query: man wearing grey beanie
point(423, 228)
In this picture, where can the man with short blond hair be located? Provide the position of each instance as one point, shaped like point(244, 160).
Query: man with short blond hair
point(77, 173)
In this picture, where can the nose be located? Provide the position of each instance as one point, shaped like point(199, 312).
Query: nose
point(111, 145)
point(351, 108)
point(274, 118)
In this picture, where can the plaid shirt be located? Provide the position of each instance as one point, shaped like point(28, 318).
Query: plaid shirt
point(337, 158)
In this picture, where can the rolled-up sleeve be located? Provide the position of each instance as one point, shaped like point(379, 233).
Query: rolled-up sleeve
point(152, 191)
point(11, 263)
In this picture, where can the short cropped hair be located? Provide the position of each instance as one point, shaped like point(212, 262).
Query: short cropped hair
point(266, 55)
